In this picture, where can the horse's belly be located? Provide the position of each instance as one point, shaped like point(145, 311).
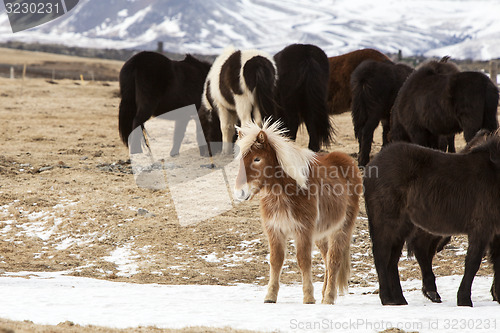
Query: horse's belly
point(436, 220)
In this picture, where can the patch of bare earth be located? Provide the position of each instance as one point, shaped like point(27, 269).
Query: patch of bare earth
point(68, 202)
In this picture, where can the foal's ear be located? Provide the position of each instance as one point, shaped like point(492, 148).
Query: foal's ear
point(261, 137)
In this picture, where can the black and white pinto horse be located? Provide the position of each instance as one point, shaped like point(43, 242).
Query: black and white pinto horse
point(240, 85)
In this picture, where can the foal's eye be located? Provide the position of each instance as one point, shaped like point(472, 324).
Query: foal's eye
point(257, 159)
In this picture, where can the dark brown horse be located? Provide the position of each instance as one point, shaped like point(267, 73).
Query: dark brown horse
point(301, 92)
point(375, 85)
point(341, 68)
point(409, 187)
point(438, 99)
point(151, 85)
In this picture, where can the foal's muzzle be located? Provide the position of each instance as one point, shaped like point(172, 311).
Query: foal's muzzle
point(243, 193)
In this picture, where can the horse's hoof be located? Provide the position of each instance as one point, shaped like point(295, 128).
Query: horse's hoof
point(174, 154)
point(493, 293)
point(395, 302)
point(310, 302)
point(432, 295)
point(466, 302)
point(269, 301)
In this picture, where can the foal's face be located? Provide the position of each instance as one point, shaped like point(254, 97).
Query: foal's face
point(256, 167)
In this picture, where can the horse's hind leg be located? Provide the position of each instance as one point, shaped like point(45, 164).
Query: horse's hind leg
point(495, 260)
point(424, 246)
point(387, 246)
point(179, 132)
point(304, 249)
point(277, 256)
point(475, 252)
point(227, 123)
point(393, 273)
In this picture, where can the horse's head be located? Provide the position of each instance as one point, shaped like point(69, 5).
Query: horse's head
point(267, 157)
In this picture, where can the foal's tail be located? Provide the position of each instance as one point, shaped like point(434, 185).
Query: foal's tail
point(344, 236)
point(343, 244)
point(128, 107)
point(260, 74)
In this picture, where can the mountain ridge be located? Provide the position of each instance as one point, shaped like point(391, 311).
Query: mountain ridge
point(463, 29)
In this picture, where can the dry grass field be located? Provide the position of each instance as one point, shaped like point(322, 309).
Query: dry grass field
point(68, 201)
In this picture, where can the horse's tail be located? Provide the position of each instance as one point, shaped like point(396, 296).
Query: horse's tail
point(260, 74)
point(316, 84)
point(490, 120)
point(361, 93)
point(128, 106)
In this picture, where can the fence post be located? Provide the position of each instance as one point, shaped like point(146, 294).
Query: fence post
point(159, 49)
point(493, 71)
point(12, 72)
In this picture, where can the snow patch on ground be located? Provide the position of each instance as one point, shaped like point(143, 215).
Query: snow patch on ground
point(51, 298)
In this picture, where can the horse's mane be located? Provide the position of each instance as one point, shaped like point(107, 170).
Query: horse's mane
point(439, 67)
point(294, 160)
point(484, 141)
point(189, 58)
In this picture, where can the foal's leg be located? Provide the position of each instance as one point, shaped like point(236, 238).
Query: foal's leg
point(277, 256)
point(323, 248)
point(475, 252)
point(304, 249)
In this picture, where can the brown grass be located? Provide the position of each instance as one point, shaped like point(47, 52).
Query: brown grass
point(90, 202)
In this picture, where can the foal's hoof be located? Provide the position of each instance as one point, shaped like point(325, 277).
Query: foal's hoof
point(432, 295)
point(269, 301)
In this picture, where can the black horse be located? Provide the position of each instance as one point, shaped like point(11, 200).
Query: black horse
point(374, 85)
point(302, 92)
point(151, 85)
point(439, 100)
point(408, 188)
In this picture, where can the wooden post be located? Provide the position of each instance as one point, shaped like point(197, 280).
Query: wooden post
point(159, 49)
point(493, 71)
point(12, 72)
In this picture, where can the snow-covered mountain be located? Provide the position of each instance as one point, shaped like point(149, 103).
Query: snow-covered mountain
point(462, 29)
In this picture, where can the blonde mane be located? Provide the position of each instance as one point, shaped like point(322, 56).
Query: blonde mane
point(294, 160)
